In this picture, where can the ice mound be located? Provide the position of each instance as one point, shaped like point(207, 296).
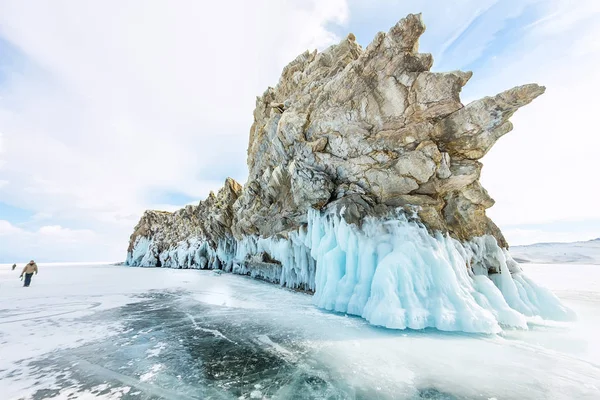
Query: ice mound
point(395, 274)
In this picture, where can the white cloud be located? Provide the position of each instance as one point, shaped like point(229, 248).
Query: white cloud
point(2, 151)
point(544, 170)
point(6, 228)
point(60, 232)
point(52, 243)
point(41, 216)
point(116, 100)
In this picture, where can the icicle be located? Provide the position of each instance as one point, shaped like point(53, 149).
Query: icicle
point(392, 272)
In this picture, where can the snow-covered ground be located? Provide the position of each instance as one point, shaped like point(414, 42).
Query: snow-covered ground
point(587, 252)
point(109, 332)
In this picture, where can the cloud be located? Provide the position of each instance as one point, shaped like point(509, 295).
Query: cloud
point(544, 169)
point(113, 102)
point(51, 243)
point(6, 228)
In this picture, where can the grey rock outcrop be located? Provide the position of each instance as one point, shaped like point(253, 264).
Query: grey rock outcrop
point(210, 221)
point(358, 132)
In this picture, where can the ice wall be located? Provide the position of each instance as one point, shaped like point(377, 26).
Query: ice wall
point(393, 273)
point(390, 271)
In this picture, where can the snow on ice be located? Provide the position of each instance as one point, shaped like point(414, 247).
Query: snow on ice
point(107, 332)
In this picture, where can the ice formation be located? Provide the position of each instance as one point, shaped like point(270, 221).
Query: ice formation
point(364, 188)
point(391, 271)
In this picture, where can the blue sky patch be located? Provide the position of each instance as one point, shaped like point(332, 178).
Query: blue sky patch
point(10, 61)
point(171, 197)
point(14, 215)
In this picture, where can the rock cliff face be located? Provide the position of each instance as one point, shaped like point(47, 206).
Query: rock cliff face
point(348, 135)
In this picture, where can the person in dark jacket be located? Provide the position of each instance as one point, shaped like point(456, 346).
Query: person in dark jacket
point(29, 269)
point(14, 266)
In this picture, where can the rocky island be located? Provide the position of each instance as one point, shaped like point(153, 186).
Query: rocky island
point(364, 189)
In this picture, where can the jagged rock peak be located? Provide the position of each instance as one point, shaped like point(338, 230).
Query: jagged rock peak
point(359, 132)
point(209, 221)
point(377, 124)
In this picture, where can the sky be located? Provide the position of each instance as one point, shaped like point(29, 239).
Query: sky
point(110, 108)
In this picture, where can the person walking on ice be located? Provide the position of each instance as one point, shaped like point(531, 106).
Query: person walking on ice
point(14, 266)
point(28, 271)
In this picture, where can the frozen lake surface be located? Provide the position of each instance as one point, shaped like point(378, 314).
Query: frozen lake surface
point(108, 332)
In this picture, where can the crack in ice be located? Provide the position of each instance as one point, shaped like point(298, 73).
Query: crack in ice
point(213, 332)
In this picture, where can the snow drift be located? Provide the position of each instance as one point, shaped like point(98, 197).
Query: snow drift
point(587, 252)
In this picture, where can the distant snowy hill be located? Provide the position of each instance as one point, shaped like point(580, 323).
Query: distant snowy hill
point(559, 253)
